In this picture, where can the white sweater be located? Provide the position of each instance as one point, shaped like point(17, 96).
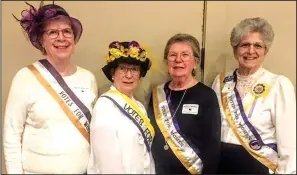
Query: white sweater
point(38, 136)
point(117, 146)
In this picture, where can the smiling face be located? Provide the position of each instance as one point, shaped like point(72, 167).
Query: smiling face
point(250, 52)
point(181, 61)
point(58, 39)
point(126, 78)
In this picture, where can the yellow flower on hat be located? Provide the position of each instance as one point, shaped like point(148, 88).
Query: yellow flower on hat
point(115, 52)
point(124, 51)
point(136, 52)
point(122, 48)
point(133, 52)
point(143, 55)
point(111, 58)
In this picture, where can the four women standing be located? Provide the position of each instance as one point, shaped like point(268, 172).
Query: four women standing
point(239, 126)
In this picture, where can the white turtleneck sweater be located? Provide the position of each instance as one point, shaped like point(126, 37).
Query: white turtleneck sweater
point(38, 136)
point(274, 118)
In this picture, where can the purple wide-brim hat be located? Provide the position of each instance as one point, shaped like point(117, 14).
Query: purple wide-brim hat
point(32, 20)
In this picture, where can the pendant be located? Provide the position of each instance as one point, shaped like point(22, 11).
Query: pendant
point(166, 147)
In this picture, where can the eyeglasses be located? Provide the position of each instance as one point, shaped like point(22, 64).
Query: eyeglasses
point(185, 56)
point(133, 70)
point(256, 46)
point(54, 33)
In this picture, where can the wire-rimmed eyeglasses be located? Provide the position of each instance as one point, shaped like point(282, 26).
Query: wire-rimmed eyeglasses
point(54, 33)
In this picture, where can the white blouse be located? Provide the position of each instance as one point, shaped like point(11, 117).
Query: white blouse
point(117, 146)
point(274, 118)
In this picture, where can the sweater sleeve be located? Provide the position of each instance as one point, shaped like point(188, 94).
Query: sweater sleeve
point(213, 143)
point(14, 121)
point(285, 122)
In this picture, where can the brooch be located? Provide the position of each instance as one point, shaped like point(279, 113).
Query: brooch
point(259, 90)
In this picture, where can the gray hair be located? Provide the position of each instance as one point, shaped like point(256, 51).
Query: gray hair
point(184, 38)
point(252, 25)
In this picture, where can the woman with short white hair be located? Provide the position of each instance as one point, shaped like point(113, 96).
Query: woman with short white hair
point(258, 107)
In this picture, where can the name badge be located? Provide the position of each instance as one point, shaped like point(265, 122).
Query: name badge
point(81, 89)
point(190, 109)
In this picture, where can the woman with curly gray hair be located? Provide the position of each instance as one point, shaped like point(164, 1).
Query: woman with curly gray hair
point(258, 107)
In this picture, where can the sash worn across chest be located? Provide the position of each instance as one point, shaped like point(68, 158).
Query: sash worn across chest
point(54, 84)
point(132, 111)
point(187, 154)
point(240, 124)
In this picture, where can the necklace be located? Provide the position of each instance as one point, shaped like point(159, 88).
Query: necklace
point(166, 147)
point(178, 103)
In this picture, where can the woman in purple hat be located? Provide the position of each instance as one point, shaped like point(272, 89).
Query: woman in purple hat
point(46, 126)
point(121, 133)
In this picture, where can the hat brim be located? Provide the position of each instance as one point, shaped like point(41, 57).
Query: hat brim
point(77, 27)
point(107, 71)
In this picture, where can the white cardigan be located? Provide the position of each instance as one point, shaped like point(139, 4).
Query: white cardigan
point(117, 146)
point(274, 119)
point(38, 136)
